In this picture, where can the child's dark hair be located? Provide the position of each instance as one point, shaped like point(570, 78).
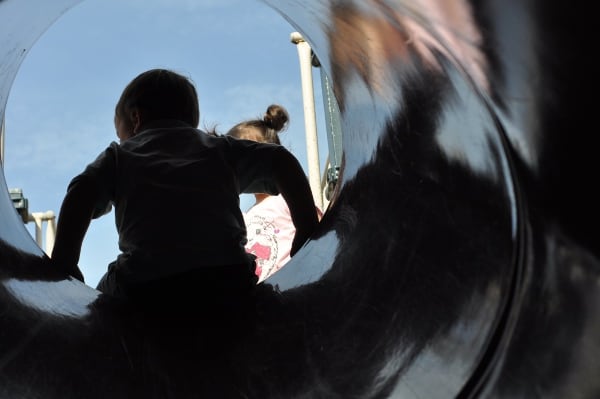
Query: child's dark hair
point(161, 94)
point(273, 122)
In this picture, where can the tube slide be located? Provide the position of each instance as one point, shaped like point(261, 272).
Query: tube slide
point(458, 257)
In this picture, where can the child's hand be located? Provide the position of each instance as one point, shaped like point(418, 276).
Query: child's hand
point(76, 273)
point(297, 243)
point(72, 271)
point(301, 237)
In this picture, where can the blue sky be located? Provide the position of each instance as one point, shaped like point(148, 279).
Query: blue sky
point(59, 115)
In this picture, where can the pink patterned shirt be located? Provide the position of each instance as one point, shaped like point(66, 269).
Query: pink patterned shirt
point(270, 233)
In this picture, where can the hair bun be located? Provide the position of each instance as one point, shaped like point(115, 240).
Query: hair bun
point(276, 117)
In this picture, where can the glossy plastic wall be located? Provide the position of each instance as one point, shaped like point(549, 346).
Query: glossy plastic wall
point(458, 257)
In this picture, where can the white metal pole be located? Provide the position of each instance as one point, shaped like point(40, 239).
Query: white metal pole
point(36, 218)
point(310, 122)
point(39, 218)
point(50, 231)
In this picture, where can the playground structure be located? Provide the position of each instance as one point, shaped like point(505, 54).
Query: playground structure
point(458, 256)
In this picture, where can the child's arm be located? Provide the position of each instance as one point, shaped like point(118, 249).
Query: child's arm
point(295, 189)
point(73, 221)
